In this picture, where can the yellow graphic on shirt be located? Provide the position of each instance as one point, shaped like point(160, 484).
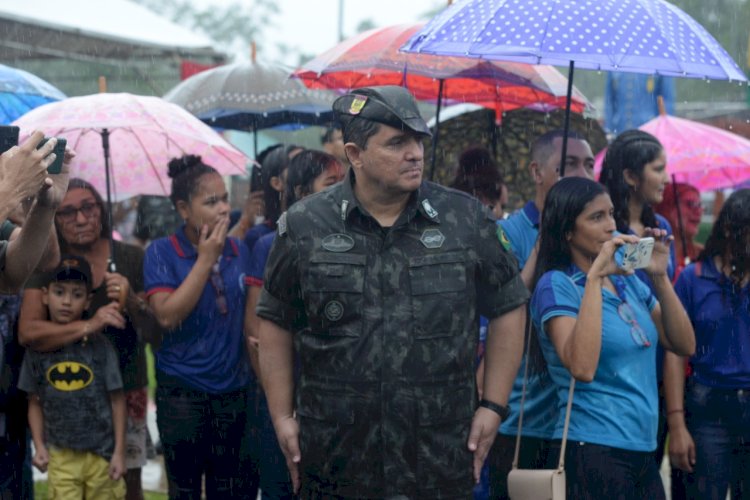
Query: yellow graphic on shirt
point(69, 376)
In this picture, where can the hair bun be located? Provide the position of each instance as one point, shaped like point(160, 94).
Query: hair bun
point(179, 166)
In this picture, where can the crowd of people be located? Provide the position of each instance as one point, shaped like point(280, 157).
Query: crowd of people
point(357, 332)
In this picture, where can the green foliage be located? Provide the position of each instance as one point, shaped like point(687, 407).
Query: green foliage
point(230, 24)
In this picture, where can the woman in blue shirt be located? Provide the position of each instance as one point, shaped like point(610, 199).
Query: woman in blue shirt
point(709, 436)
point(195, 283)
point(601, 325)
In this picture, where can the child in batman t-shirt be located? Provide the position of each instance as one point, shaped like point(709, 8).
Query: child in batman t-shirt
point(77, 409)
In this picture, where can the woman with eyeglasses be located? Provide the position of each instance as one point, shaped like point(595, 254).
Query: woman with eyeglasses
point(309, 172)
point(601, 324)
point(195, 285)
point(682, 208)
point(82, 225)
point(709, 435)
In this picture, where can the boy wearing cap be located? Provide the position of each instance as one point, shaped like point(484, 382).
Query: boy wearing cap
point(76, 405)
point(381, 278)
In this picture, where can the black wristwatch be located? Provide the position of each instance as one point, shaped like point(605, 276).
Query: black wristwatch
point(502, 410)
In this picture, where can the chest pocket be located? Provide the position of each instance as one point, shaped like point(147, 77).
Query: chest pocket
point(333, 288)
point(437, 283)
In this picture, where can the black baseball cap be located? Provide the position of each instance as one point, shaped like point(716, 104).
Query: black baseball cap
point(390, 104)
point(73, 268)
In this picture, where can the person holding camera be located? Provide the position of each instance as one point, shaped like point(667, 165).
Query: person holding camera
point(24, 176)
point(598, 323)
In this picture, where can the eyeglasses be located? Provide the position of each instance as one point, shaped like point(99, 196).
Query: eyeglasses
point(692, 204)
point(218, 283)
point(69, 214)
point(636, 332)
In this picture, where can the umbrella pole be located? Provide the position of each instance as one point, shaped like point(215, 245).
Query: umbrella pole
point(680, 225)
point(566, 122)
point(437, 129)
point(255, 140)
point(105, 147)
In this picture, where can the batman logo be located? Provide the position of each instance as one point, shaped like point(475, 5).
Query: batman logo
point(69, 376)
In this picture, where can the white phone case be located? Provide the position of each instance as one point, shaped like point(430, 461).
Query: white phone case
point(637, 255)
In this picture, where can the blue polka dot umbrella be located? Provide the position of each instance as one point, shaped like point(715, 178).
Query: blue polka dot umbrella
point(641, 36)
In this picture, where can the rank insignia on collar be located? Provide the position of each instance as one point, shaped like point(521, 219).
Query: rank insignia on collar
point(281, 224)
point(338, 242)
point(428, 209)
point(432, 238)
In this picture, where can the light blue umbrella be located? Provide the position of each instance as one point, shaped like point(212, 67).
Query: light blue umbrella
point(639, 36)
point(20, 92)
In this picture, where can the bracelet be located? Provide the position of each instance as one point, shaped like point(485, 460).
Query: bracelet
point(679, 410)
point(502, 410)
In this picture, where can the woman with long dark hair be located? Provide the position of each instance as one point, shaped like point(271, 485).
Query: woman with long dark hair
point(600, 324)
point(634, 171)
point(194, 283)
point(273, 176)
point(709, 435)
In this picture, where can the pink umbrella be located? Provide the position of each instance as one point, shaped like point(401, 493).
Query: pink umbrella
point(704, 156)
point(141, 133)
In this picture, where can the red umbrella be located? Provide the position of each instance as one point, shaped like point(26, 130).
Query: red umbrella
point(373, 58)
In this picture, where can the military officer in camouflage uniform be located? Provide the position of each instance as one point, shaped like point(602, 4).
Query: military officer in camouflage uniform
point(377, 283)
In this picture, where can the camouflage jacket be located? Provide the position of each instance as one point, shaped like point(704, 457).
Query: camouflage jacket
point(385, 323)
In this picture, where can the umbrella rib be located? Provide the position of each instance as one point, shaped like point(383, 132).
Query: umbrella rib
point(150, 160)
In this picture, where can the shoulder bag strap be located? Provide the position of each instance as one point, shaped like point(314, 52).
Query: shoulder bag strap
point(527, 329)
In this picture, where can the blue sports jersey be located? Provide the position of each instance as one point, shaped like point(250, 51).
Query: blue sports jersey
point(258, 259)
point(720, 314)
point(619, 407)
point(206, 351)
point(520, 232)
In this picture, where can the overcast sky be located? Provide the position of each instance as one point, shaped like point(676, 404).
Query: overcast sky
point(312, 25)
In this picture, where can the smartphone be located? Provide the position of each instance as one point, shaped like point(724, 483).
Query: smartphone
point(8, 137)
point(256, 179)
point(56, 166)
point(635, 255)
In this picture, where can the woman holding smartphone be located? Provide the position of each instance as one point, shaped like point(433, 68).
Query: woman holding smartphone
point(601, 325)
point(195, 285)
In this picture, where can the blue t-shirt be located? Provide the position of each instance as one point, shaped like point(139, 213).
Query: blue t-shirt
point(720, 314)
point(207, 350)
point(619, 407)
point(520, 232)
point(256, 232)
point(258, 259)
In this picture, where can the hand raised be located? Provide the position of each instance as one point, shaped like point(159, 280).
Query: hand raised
point(24, 168)
point(605, 263)
point(660, 255)
point(211, 245)
point(56, 185)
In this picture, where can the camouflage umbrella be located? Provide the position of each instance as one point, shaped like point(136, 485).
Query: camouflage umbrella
point(510, 142)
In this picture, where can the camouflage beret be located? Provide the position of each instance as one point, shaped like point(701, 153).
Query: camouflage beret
point(390, 104)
